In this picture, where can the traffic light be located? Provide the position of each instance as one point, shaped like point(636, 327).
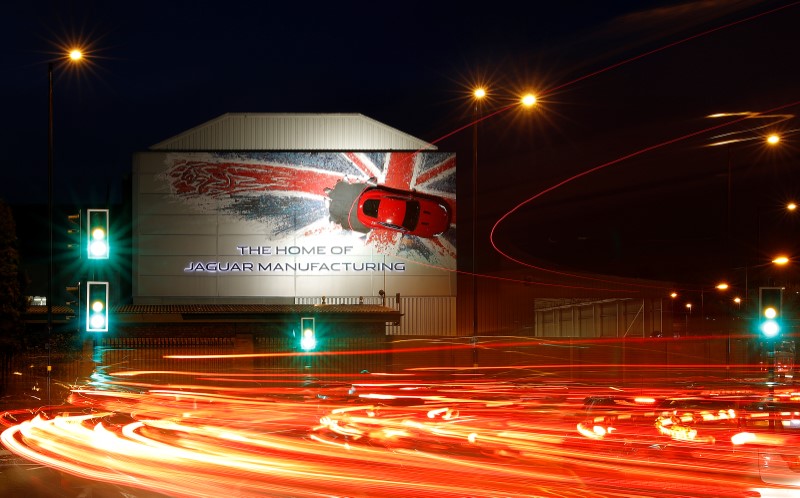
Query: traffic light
point(75, 300)
point(97, 306)
point(97, 233)
point(74, 232)
point(770, 302)
point(308, 339)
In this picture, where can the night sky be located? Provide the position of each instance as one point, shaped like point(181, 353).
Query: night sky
point(616, 80)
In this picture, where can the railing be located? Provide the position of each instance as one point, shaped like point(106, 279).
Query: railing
point(422, 315)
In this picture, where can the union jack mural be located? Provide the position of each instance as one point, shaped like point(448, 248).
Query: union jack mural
point(295, 194)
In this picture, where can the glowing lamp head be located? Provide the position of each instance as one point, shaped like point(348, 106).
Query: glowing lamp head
point(75, 55)
point(479, 93)
point(773, 139)
point(528, 100)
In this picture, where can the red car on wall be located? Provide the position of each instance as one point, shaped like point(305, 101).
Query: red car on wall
point(403, 211)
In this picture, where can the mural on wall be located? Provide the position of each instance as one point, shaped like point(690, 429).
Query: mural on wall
point(401, 204)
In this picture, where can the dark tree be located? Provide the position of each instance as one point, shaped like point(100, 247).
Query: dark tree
point(12, 298)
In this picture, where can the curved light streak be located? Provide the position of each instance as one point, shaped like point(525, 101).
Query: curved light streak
point(725, 138)
point(378, 436)
point(595, 170)
point(553, 89)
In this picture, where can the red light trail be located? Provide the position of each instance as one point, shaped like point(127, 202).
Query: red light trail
point(496, 112)
point(425, 432)
point(607, 165)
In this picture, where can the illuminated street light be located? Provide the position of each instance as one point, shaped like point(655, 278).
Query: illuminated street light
point(720, 286)
point(789, 207)
point(479, 94)
point(689, 308)
point(781, 260)
point(528, 100)
point(772, 140)
point(74, 55)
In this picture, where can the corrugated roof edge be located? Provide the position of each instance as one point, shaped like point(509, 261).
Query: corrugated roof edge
point(166, 144)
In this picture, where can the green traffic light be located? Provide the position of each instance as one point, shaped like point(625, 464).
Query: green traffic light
point(308, 340)
point(770, 303)
point(97, 233)
point(770, 328)
point(97, 306)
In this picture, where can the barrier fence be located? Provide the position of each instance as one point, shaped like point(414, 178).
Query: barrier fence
point(272, 358)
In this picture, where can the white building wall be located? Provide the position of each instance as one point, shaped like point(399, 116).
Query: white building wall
point(175, 232)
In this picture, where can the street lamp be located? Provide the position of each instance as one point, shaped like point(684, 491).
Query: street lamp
point(781, 260)
point(689, 308)
point(673, 296)
point(75, 55)
point(771, 140)
point(788, 208)
point(528, 100)
point(720, 286)
point(480, 94)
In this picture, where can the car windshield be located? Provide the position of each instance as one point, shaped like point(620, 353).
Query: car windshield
point(371, 207)
point(412, 215)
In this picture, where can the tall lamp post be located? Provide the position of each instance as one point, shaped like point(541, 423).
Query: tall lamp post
point(74, 55)
point(788, 208)
point(479, 94)
point(689, 312)
point(722, 286)
point(49, 210)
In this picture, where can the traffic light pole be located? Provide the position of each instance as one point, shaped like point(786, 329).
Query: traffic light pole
point(771, 382)
point(49, 221)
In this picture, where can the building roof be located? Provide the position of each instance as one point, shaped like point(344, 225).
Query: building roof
point(292, 132)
